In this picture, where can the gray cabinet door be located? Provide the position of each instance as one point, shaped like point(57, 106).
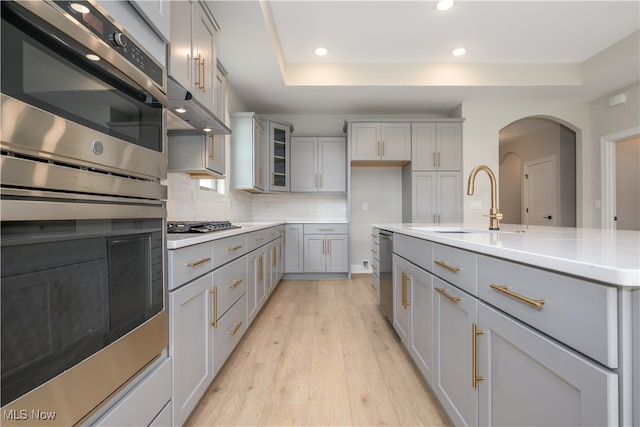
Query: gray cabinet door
point(421, 339)
point(304, 164)
point(401, 298)
point(294, 249)
point(532, 380)
point(315, 248)
point(336, 255)
point(190, 338)
point(332, 164)
point(455, 314)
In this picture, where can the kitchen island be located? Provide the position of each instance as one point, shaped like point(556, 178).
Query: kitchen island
point(525, 325)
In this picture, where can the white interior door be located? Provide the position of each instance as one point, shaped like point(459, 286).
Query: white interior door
point(627, 195)
point(540, 192)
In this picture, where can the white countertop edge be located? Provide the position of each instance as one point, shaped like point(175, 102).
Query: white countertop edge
point(594, 271)
point(181, 240)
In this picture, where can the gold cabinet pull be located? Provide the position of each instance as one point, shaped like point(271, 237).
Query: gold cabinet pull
point(474, 357)
point(259, 239)
point(261, 267)
point(447, 266)
point(204, 74)
point(374, 251)
point(438, 159)
point(235, 330)
point(537, 303)
point(451, 298)
point(235, 283)
point(234, 248)
point(434, 158)
point(405, 296)
point(214, 322)
point(199, 60)
point(274, 256)
point(197, 263)
point(325, 229)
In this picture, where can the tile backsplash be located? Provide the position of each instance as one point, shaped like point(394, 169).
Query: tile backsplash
point(187, 201)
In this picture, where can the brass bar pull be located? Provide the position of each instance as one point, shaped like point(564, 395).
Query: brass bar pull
point(438, 158)
point(329, 246)
point(323, 250)
point(261, 268)
point(234, 248)
point(382, 148)
point(434, 158)
point(321, 181)
point(325, 229)
point(374, 251)
point(373, 267)
point(450, 297)
point(202, 79)
point(447, 267)
point(235, 330)
point(274, 256)
point(234, 283)
point(537, 303)
point(197, 263)
point(213, 147)
point(199, 73)
point(259, 239)
point(405, 293)
point(474, 357)
point(214, 322)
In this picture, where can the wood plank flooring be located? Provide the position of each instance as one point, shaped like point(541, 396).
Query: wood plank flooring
point(319, 354)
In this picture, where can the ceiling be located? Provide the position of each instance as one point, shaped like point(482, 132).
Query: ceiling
point(393, 57)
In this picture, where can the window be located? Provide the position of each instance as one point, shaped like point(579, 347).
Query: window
point(215, 185)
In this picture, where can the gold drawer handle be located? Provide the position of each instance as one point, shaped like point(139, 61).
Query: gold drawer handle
point(195, 264)
point(325, 229)
point(374, 251)
point(259, 239)
point(235, 330)
point(474, 356)
point(214, 322)
point(234, 248)
point(447, 267)
point(451, 298)
point(537, 303)
point(234, 284)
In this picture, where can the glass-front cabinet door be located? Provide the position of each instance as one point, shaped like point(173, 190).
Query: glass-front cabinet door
point(279, 149)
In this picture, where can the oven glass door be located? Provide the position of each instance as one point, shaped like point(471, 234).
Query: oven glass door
point(44, 68)
point(71, 288)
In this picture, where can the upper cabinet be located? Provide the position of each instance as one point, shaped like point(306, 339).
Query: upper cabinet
point(318, 164)
point(201, 156)
point(157, 14)
point(278, 139)
point(374, 142)
point(193, 50)
point(248, 154)
point(436, 146)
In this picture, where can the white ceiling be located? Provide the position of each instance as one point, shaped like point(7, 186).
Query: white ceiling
point(393, 57)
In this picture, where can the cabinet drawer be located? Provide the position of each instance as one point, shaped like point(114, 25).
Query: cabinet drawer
point(274, 233)
point(375, 251)
point(256, 239)
point(456, 266)
point(375, 267)
point(188, 263)
point(326, 229)
point(417, 251)
point(230, 282)
point(375, 236)
point(144, 402)
point(581, 314)
point(231, 328)
point(228, 249)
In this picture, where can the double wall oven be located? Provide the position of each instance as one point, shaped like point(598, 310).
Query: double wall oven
point(83, 213)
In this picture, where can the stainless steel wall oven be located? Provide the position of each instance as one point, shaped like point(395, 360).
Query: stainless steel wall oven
point(83, 282)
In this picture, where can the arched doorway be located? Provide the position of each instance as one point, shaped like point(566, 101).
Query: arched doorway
point(538, 172)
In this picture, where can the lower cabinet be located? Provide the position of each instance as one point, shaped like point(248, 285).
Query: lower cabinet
point(325, 253)
point(531, 379)
point(256, 283)
point(190, 344)
point(294, 258)
point(488, 367)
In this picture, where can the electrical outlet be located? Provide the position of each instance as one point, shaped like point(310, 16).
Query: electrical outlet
point(365, 263)
point(365, 206)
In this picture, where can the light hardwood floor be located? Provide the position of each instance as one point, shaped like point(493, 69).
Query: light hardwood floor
point(320, 353)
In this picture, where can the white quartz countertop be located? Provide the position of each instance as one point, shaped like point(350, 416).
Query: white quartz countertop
point(181, 240)
point(608, 256)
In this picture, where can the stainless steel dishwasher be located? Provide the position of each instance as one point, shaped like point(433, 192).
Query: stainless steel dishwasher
point(386, 274)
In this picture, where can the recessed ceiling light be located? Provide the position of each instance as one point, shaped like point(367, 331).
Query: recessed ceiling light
point(321, 51)
point(459, 51)
point(180, 110)
point(445, 4)
point(92, 57)
point(207, 129)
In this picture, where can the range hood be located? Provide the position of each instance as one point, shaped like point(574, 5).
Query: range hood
point(196, 118)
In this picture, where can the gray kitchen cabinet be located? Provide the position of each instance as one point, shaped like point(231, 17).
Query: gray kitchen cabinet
point(193, 53)
point(326, 248)
point(531, 379)
point(375, 263)
point(201, 156)
point(455, 314)
point(433, 197)
point(436, 146)
point(373, 142)
point(501, 356)
point(318, 164)
point(157, 13)
point(432, 185)
point(248, 153)
point(294, 256)
point(278, 141)
point(256, 283)
point(190, 345)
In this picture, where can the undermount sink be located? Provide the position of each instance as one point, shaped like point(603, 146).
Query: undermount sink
point(450, 230)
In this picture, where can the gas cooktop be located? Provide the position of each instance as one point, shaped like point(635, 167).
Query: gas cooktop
point(199, 226)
